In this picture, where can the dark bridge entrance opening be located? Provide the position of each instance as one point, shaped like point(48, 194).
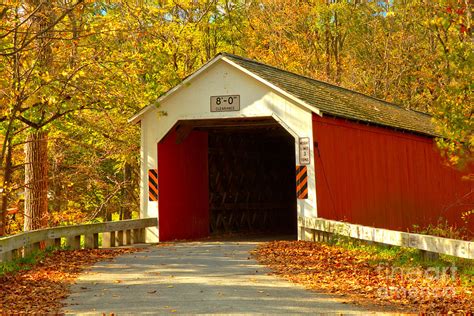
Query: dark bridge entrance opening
point(252, 180)
point(227, 176)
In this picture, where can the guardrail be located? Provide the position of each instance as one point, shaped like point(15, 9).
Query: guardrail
point(119, 233)
point(318, 229)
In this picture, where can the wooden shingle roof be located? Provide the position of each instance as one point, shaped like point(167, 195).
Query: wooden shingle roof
point(340, 102)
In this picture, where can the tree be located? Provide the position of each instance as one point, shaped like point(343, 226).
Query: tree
point(453, 110)
point(58, 65)
point(105, 60)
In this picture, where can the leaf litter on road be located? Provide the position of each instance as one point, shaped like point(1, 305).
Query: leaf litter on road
point(41, 289)
point(351, 274)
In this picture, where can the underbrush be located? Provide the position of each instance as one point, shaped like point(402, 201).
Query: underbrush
point(409, 258)
point(442, 228)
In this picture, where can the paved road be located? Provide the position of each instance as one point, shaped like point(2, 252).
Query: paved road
point(194, 278)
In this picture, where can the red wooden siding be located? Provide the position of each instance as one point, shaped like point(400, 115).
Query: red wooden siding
point(184, 187)
point(385, 178)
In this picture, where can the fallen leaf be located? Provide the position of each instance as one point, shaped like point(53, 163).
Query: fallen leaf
point(52, 277)
point(334, 269)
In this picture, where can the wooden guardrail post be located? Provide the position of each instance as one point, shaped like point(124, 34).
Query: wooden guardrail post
point(108, 240)
point(31, 248)
point(16, 253)
point(120, 238)
point(91, 241)
point(429, 256)
point(138, 236)
point(74, 242)
point(54, 242)
point(128, 237)
point(5, 255)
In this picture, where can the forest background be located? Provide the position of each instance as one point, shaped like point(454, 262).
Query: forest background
point(73, 71)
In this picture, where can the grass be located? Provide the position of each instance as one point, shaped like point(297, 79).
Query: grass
point(408, 258)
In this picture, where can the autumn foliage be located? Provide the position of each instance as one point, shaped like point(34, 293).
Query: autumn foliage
point(353, 275)
point(78, 70)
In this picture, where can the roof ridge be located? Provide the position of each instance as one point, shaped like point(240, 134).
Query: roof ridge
point(328, 98)
point(330, 85)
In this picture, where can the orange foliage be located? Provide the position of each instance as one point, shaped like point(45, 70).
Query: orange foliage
point(41, 289)
point(349, 273)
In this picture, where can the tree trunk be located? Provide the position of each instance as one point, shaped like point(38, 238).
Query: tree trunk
point(327, 34)
point(6, 190)
point(337, 52)
point(56, 185)
point(36, 181)
point(126, 196)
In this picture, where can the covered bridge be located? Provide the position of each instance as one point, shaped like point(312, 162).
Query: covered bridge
point(243, 146)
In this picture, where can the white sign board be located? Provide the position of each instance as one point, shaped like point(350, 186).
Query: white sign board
point(304, 151)
point(225, 103)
